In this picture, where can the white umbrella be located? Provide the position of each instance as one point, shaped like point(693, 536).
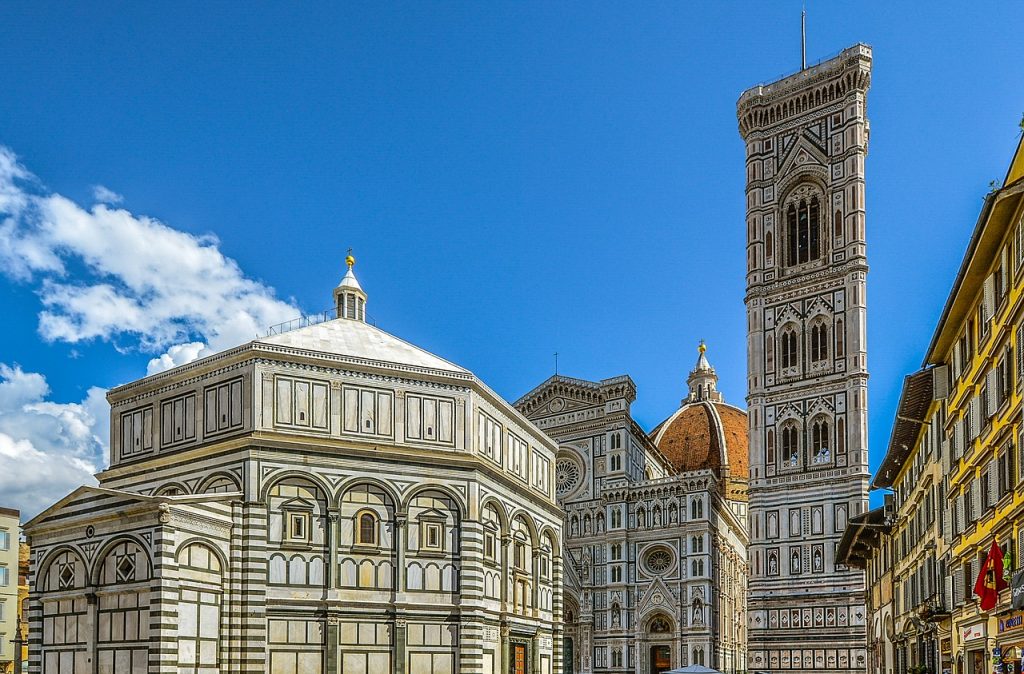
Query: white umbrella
point(694, 669)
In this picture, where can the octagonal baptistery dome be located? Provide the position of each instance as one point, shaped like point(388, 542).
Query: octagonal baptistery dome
point(706, 433)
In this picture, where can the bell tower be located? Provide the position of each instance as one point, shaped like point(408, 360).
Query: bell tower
point(806, 139)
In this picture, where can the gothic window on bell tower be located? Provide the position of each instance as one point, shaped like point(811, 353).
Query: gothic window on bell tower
point(819, 342)
point(790, 445)
point(820, 442)
point(788, 345)
point(803, 229)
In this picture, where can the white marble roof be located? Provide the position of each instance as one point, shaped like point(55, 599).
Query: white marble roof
point(356, 339)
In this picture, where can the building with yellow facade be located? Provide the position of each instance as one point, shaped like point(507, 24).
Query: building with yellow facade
point(914, 468)
point(979, 345)
point(24, 557)
point(10, 530)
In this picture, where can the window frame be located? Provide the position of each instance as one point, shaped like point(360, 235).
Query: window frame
point(358, 529)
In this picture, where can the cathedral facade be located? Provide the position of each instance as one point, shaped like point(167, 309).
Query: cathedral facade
point(806, 141)
point(655, 526)
point(329, 499)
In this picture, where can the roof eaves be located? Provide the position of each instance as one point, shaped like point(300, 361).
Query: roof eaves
point(932, 358)
point(862, 531)
point(915, 399)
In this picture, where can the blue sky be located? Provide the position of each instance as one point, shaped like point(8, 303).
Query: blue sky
point(515, 178)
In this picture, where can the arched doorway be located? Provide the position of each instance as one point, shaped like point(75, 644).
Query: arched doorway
point(659, 637)
point(570, 635)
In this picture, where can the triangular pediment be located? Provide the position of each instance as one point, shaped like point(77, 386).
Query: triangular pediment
point(657, 597)
point(86, 502)
point(559, 395)
point(801, 154)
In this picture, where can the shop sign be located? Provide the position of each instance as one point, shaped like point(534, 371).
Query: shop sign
point(1017, 589)
point(973, 632)
point(1011, 622)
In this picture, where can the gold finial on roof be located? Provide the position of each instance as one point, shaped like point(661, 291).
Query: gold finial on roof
point(702, 347)
point(349, 260)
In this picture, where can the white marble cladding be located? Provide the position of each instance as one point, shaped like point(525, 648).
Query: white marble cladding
point(321, 502)
point(184, 414)
point(288, 398)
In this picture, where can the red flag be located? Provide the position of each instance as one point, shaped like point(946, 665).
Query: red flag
point(990, 580)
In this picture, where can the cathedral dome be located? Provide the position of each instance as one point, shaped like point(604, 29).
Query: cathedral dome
point(705, 432)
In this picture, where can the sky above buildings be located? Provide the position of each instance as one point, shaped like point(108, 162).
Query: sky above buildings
point(516, 179)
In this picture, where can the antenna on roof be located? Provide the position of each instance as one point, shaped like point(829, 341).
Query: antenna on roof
point(803, 39)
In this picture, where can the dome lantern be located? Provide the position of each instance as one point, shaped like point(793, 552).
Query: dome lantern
point(703, 380)
point(349, 297)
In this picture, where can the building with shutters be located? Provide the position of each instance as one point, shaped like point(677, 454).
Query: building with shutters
point(979, 345)
point(655, 525)
point(915, 550)
point(10, 534)
point(329, 498)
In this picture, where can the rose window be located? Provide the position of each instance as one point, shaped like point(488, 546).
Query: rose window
point(567, 476)
point(659, 561)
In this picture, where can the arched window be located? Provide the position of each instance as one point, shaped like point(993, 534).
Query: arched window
point(696, 509)
point(840, 436)
point(769, 245)
point(790, 446)
point(815, 230)
point(769, 353)
point(788, 348)
point(791, 236)
point(770, 448)
point(367, 529)
point(803, 231)
point(837, 224)
point(819, 442)
point(819, 343)
point(840, 339)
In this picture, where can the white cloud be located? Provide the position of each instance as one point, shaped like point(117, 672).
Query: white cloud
point(179, 354)
point(47, 449)
point(143, 282)
point(105, 273)
point(102, 195)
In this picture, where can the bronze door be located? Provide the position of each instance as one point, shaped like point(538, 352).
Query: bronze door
point(519, 659)
point(661, 659)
